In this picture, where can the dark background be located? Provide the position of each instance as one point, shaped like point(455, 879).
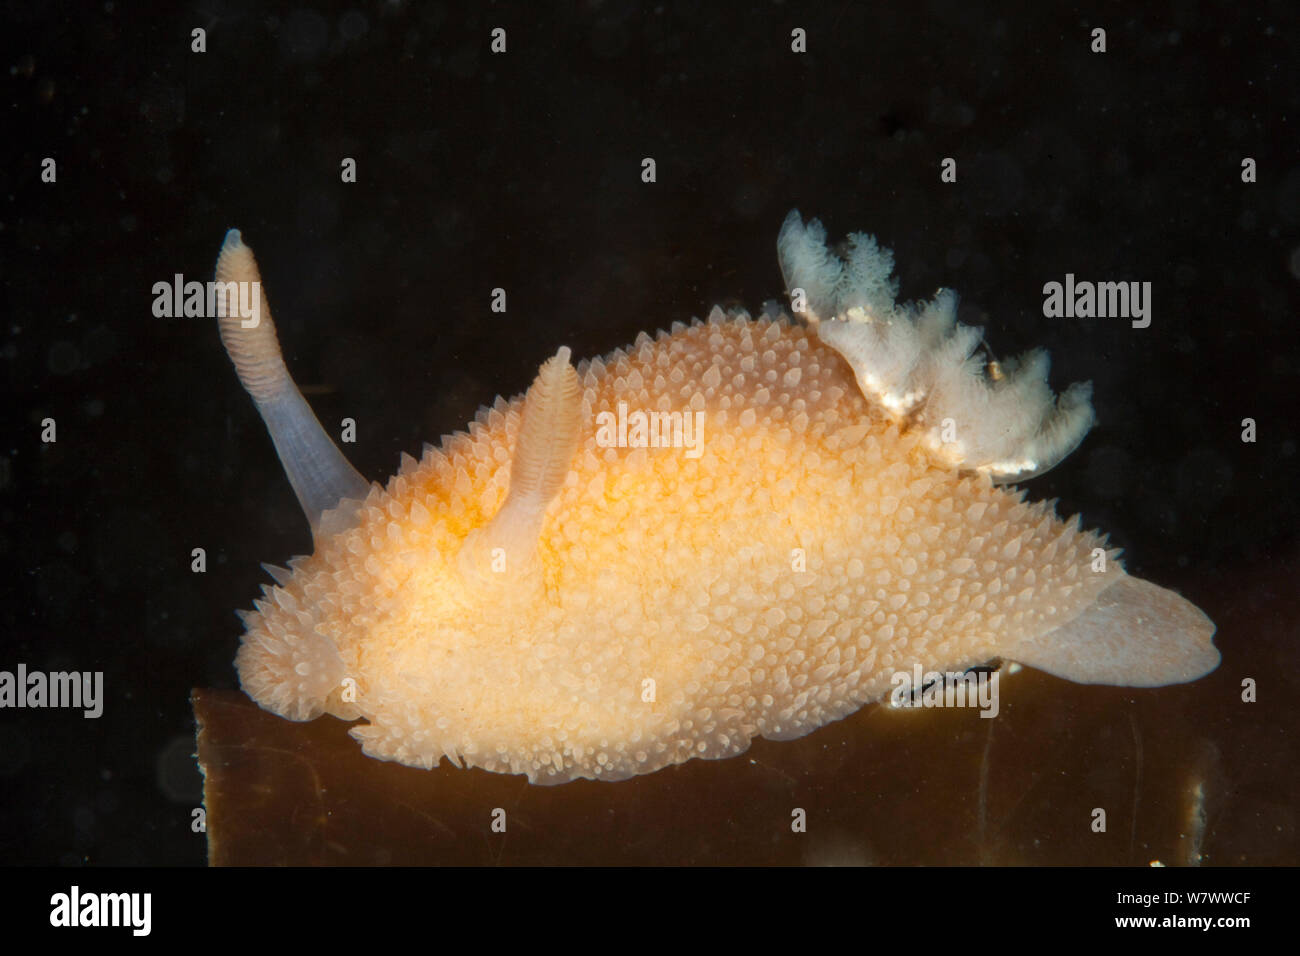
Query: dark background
point(523, 171)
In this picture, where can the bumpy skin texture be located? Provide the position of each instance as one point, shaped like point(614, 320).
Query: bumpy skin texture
point(677, 607)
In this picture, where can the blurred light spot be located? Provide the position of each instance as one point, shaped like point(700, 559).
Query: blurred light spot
point(178, 771)
point(304, 35)
point(353, 25)
point(63, 358)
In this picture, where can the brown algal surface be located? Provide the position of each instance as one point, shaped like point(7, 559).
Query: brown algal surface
point(1186, 774)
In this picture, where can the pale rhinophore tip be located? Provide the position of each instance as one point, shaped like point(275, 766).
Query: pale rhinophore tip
point(250, 340)
point(548, 438)
point(321, 477)
point(549, 434)
point(919, 363)
point(1136, 634)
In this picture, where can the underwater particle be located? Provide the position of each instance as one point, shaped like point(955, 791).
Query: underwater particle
point(534, 598)
point(353, 25)
point(176, 773)
point(63, 358)
point(304, 36)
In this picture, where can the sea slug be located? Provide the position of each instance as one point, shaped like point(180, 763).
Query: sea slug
point(534, 598)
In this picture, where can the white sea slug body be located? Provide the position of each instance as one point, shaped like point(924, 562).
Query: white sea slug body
point(529, 599)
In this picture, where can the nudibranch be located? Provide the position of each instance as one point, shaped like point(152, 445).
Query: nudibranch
point(547, 595)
